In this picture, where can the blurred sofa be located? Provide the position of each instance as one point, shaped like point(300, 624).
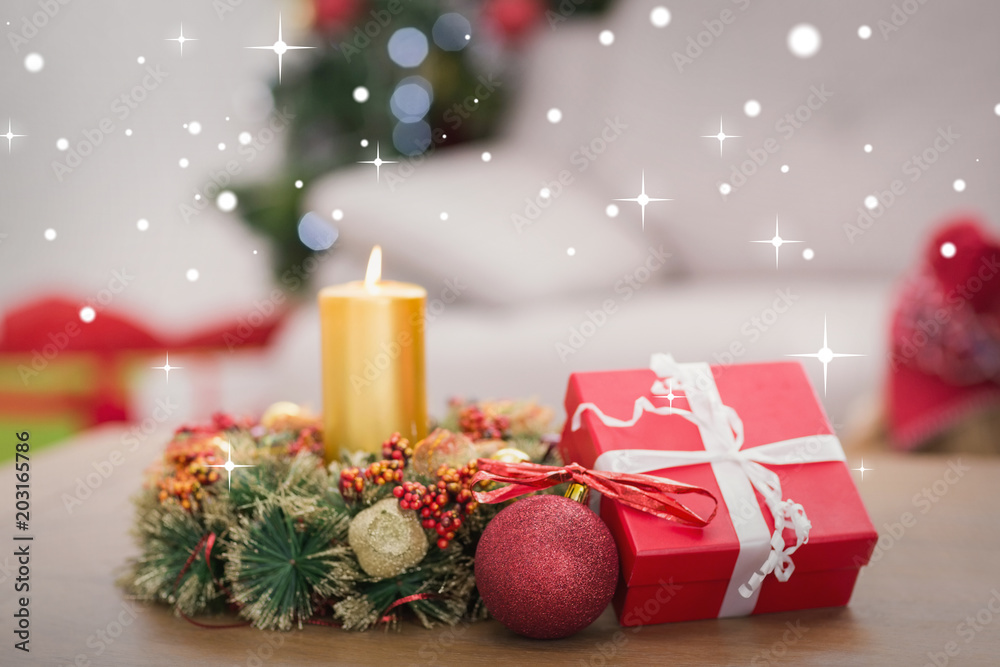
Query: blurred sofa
point(547, 280)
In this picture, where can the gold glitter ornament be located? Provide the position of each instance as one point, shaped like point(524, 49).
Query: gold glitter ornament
point(386, 539)
point(511, 455)
point(442, 447)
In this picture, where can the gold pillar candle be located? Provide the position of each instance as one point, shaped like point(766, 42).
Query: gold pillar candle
point(373, 362)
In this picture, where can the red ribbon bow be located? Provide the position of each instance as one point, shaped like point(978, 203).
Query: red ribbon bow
point(643, 492)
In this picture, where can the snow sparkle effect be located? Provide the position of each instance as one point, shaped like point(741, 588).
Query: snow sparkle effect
point(825, 355)
point(777, 242)
point(10, 135)
point(721, 136)
point(166, 367)
point(229, 465)
point(862, 469)
point(378, 162)
point(280, 48)
point(180, 39)
point(642, 199)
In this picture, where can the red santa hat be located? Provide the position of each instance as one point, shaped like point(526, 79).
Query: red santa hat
point(944, 360)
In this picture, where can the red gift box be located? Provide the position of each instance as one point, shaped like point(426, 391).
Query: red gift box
point(671, 572)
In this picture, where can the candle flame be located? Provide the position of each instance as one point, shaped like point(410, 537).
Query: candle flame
point(374, 272)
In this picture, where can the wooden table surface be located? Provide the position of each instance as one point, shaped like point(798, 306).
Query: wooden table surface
point(929, 590)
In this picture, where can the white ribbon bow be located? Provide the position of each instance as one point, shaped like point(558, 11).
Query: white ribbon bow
point(738, 472)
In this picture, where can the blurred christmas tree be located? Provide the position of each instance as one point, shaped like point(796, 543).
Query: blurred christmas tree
point(408, 77)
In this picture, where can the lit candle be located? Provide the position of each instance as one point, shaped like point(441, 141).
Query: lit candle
point(373, 362)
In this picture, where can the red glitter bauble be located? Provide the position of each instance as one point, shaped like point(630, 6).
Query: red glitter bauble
point(546, 567)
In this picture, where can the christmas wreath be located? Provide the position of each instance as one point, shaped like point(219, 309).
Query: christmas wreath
point(245, 516)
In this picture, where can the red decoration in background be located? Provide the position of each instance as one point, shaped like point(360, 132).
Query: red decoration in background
point(331, 15)
point(40, 331)
point(974, 248)
point(513, 18)
point(945, 334)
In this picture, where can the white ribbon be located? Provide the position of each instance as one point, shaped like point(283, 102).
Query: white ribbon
point(737, 471)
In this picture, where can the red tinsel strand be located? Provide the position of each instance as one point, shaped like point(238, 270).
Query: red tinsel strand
point(387, 617)
point(208, 541)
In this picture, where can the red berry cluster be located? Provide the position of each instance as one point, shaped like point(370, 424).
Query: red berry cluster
point(221, 421)
point(188, 471)
point(396, 452)
point(479, 425)
point(309, 439)
point(443, 505)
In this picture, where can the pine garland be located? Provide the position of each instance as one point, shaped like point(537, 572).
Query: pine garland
point(281, 559)
point(271, 541)
point(166, 572)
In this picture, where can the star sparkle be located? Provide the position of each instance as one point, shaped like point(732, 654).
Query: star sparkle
point(721, 136)
point(777, 242)
point(10, 135)
point(280, 48)
point(825, 355)
point(642, 199)
point(180, 39)
point(229, 465)
point(862, 469)
point(378, 162)
point(166, 367)
point(670, 396)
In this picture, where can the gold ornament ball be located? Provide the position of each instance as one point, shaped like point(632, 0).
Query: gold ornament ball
point(511, 455)
point(285, 415)
point(280, 411)
point(441, 447)
point(386, 539)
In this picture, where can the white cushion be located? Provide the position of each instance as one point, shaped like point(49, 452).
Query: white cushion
point(483, 226)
